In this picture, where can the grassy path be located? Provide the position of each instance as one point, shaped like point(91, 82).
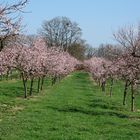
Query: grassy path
point(73, 109)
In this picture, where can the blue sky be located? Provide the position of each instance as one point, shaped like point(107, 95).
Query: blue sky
point(97, 18)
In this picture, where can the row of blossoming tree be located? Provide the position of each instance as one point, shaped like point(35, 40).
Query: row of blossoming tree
point(125, 67)
point(35, 60)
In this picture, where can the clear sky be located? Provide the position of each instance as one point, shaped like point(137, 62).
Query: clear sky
point(97, 18)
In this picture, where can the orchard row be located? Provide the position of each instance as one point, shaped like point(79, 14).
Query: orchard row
point(36, 61)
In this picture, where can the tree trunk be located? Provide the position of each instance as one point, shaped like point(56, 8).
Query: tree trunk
point(42, 83)
point(7, 75)
point(55, 79)
point(1, 77)
point(31, 86)
point(52, 81)
point(132, 97)
point(125, 92)
point(24, 84)
point(99, 82)
point(111, 87)
point(11, 74)
point(1, 44)
point(38, 87)
point(103, 86)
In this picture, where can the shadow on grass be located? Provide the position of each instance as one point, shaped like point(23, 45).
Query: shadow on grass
point(15, 91)
point(89, 112)
point(11, 91)
point(98, 103)
point(84, 88)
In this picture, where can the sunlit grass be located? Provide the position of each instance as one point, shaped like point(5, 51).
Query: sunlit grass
point(74, 109)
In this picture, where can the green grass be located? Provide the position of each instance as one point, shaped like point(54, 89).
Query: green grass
point(74, 109)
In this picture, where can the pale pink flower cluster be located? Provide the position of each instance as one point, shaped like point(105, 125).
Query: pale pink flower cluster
point(36, 60)
point(98, 67)
point(125, 67)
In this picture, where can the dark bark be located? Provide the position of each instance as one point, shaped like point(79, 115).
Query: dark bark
point(99, 82)
point(7, 75)
point(24, 85)
point(1, 44)
point(38, 87)
point(125, 91)
point(1, 77)
point(111, 87)
point(103, 86)
point(31, 86)
point(54, 80)
point(42, 83)
point(135, 55)
point(132, 97)
point(11, 74)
